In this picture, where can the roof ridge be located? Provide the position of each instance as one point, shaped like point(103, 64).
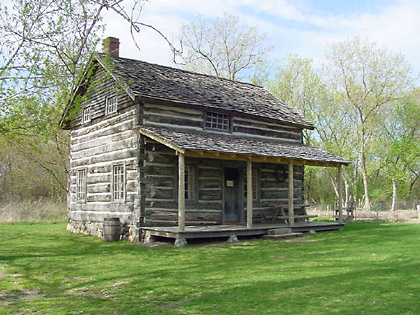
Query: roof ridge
point(183, 70)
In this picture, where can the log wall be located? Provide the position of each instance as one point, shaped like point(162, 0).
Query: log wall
point(98, 145)
point(159, 184)
point(160, 207)
point(101, 86)
point(192, 119)
point(273, 189)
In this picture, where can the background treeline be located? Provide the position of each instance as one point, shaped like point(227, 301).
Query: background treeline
point(363, 99)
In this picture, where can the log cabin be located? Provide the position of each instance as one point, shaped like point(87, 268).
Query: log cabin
point(166, 150)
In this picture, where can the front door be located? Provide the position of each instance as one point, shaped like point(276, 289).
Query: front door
point(232, 209)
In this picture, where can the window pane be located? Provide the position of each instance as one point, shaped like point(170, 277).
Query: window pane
point(86, 115)
point(81, 185)
point(111, 104)
point(119, 182)
point(254, 185)
point(216, 121)
point(189, 183)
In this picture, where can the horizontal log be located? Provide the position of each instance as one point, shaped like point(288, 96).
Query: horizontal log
point(101, 206)
point(105, 147)
point(264, 124)
point(98, 198)
point(110, 126)
point(205, 173)
point(165, 181)
point(154, 112)
point(99, 188)
point(99, 178)
point(272, 194)
point(110, 157)
point(159, 170)
point(159, 193)
point(210, 184)
point(184, 122)
point(210, 196)
point(173, 204)
point(98, 216)
point(172, 109)
point(155, 157)
point(266, 184)
point(97, 141)
point(268, 133)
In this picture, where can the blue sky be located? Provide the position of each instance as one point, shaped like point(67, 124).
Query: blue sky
point(304, 27)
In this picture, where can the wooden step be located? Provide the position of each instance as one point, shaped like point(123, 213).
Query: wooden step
point(282, 236)
point(279, 231)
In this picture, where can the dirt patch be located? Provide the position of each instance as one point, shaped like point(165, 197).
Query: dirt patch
point(9, 296)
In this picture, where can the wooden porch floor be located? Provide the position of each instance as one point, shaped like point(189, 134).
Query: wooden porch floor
point(227, 230)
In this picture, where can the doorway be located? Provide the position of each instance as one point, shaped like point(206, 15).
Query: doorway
point(232, 212)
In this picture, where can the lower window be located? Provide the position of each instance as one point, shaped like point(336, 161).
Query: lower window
point(81, 185)
point(118, 182)
point(189, 182)
point(254, 184)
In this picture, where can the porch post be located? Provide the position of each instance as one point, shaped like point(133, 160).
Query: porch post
point(181, 192)
point(340, 193)
point(249, 193)
point(291, 205)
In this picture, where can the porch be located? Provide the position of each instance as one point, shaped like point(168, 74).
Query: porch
point(233, 179)
point(232, 231)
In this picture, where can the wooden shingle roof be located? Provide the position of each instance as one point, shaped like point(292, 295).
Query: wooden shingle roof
point(223, 143)
point(156, 82)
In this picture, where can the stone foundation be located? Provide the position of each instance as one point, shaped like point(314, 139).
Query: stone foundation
point(128, 231)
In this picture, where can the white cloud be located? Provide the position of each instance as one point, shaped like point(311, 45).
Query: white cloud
point(290, 26)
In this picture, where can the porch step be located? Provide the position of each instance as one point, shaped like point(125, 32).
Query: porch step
point(281, 236)
point(279, 231)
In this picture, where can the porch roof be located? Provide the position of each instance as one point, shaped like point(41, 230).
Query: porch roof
point(228, 146)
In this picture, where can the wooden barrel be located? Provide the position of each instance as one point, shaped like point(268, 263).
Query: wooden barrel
point(112, 229)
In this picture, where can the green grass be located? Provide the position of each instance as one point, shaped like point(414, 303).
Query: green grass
point(369, 268)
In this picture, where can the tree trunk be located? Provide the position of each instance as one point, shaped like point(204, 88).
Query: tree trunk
point(347, 190)
point(363, 169)
point(394, 194)
point(334, 184)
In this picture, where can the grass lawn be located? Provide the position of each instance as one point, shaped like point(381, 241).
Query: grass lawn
point(369, 268)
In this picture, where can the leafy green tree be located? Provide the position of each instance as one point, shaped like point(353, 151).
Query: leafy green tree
point(399, 145)
point(368, 79)
point(299, 85)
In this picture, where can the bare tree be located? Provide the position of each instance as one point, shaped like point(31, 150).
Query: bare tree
point(223, 47)
point(45, 46)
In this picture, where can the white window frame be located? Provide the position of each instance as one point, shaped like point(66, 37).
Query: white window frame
point(189, 187)
point(86, 117)
point(217, 121)
point(119, 183)
point(81, 184)
point(111, 104)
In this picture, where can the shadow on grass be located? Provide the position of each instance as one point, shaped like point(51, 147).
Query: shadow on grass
point(368, 266)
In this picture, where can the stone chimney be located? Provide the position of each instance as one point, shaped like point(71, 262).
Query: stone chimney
point(111, 46)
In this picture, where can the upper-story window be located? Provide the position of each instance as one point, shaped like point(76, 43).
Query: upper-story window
point(219, 121)
point(86, 115)
point(111, 104)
